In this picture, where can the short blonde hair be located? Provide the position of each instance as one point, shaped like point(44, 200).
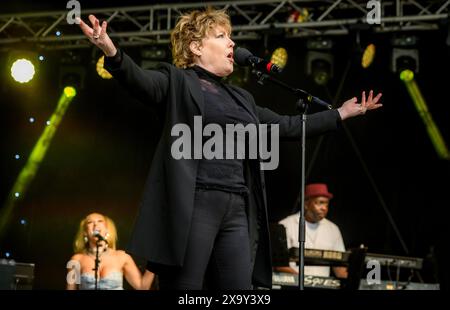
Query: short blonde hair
point(194, 26)
point(80, 246)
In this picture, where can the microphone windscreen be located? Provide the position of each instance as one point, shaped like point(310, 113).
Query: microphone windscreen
point(241, 56)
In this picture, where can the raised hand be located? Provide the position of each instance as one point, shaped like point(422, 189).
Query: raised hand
point(352, 108)
point(98, 35)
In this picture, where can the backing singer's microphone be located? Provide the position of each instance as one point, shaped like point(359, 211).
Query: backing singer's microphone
point(97, 235)
point(243, 57)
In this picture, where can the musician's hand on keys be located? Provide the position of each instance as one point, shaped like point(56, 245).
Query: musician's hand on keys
point(98, 35)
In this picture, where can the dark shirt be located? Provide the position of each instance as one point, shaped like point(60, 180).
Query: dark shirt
point(221, 109)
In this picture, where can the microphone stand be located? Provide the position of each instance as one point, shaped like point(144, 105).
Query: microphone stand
point(303, 100)
point(97, 263)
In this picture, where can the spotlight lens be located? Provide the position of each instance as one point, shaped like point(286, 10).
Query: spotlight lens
point(368, 56)
point(70, 91)
point(279, 57)
point(22, 70)
point(406, 75)
point(101, 70)
point(321, 78)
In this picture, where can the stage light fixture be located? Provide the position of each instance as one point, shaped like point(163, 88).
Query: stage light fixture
point(102, 72)
point(22, 70)
point(72, 70)
point(368, 56)
point(319, 66)
point(70, 91)
point(279, 57)
point(320, 44)
point(405, 59)
point(297, 16)
point(405, 56)
point(406, 75)
point(319, 60)
point(404, 41)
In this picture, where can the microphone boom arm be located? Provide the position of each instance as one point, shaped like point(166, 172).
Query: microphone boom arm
point(308, 98)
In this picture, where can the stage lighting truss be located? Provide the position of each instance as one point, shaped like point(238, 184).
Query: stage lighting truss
point(148, 25)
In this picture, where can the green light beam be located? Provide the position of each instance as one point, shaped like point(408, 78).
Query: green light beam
point(31, 167)
point(421, 106)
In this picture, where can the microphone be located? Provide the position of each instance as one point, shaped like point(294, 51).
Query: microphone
point(243, 57)
point(310, 98)
point(99, 237)
point(321, 102)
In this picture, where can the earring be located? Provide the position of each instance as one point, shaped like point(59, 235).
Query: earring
point(85, 238)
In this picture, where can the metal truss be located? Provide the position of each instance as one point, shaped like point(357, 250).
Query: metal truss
point(149, 25)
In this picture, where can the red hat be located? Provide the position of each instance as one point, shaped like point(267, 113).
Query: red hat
point(317, 189)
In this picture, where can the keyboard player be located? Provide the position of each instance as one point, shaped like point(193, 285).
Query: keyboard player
point(321, 233)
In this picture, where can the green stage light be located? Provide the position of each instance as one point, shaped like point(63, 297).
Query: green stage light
point(70, 91)
point(406, 75)
point(22, 70)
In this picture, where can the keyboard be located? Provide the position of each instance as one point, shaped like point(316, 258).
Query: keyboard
point(283, 280)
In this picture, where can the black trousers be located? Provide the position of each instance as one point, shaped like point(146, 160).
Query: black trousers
point(218, 248)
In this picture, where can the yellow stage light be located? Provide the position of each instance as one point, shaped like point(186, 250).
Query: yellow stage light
point(368, 56)
point(279, 57)
point(101, 70)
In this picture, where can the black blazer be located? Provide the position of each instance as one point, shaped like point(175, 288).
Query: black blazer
point(162, 225)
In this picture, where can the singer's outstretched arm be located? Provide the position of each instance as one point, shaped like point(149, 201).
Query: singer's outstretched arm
point(148, 86)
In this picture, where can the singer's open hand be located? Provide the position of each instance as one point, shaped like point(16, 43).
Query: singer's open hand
point(97, 35)
point(352, 108)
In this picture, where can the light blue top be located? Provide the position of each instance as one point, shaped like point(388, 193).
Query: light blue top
point(112, 281)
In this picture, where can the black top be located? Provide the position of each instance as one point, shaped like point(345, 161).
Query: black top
point(221, 109)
